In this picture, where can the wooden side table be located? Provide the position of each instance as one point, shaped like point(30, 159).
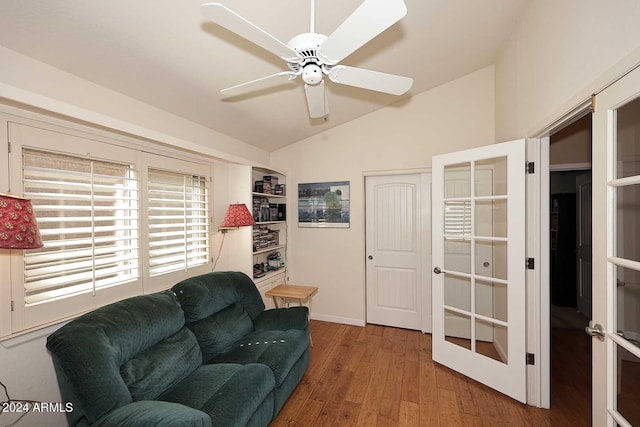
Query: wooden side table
point(299, 293)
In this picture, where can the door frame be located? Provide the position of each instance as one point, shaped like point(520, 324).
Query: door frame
point(425, 236)
point(538, 293)
point(539, 247)
point(561, 115)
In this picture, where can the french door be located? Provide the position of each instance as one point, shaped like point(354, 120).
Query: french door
point(478, 237)
point(616, 254)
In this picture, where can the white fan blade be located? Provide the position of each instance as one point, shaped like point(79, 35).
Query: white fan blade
point(371, 18)
point(233, 22)
point(372, 80)
point(263, 83)
point(316, 100)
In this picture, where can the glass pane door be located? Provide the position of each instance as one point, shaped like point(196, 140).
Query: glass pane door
point(625, 189)
point(616, 254)
point(478, 248)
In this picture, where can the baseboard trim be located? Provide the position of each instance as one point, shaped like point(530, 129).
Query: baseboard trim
point(337, 319)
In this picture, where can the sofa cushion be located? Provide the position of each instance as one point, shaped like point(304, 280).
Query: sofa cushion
point(229, 393)
point(158, 368)
point(282, 319)
point(279, 350)
point(201, 296)
point(89, 351)
point(218, 331)
point(153, 413)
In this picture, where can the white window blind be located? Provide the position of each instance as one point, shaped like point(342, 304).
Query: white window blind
point(178, 216)
point(87, 211)
point(457, 218)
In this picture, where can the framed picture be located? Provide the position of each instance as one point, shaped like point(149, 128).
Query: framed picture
point(323, 204)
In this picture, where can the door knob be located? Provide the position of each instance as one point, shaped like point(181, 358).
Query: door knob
point(595, 331)
point(437, 270)
point(370, 257)
point(486, 264)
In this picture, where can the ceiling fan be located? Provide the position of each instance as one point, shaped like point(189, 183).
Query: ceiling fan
point(313, 55)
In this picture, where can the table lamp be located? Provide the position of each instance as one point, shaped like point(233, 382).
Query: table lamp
point(18, 226)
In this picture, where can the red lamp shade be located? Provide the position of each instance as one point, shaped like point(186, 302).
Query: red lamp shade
point(237, 216)
point(18, 227)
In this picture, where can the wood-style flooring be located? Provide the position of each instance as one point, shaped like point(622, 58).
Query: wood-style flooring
point(382, 376)
point(570, 369)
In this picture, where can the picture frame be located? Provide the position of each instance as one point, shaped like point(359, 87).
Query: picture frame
point(324, 204)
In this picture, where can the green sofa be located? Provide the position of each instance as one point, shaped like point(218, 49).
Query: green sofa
point(205, 353)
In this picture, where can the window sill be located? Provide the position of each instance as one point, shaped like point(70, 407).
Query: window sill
point(22, 337)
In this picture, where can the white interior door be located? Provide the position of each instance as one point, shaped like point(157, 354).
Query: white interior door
point(616, 254)
point(478, 235)
point(397, 247)
point(583, 235)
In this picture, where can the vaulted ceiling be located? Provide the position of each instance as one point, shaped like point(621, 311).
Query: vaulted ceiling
point(166, 54)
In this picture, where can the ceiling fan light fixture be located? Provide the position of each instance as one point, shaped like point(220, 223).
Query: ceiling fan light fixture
point(312, 74)
point(316, 55)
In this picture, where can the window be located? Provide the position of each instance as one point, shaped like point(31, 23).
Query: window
point(116, 222)
point(87, 211)
point(178, 221)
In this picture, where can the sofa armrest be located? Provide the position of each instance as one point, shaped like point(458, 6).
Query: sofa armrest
point(154, 413)
point(282, 319)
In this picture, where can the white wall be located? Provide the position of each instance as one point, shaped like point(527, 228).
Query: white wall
point(454, 116)
point(27, 370)
point(34, 83)
point(561, 52)
point(572, 145)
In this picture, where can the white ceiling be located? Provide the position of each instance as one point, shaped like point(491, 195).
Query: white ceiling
point(164, 53)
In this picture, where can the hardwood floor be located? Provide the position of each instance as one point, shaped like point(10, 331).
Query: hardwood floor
point(381, 376)
point(570, 371)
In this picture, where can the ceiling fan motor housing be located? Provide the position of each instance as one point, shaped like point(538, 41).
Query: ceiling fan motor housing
point(310, 66)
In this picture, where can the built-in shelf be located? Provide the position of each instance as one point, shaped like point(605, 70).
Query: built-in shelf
point(270, 222)
point(270, 274)
point(269, 249)
point(269, 195)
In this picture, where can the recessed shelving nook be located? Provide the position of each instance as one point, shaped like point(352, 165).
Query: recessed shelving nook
point(269, 234)
point(260, 251)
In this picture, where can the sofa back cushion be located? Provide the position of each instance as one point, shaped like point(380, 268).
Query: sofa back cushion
point(218, 331)
point(89, 351)
point(201, 296)
point(158, 368)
